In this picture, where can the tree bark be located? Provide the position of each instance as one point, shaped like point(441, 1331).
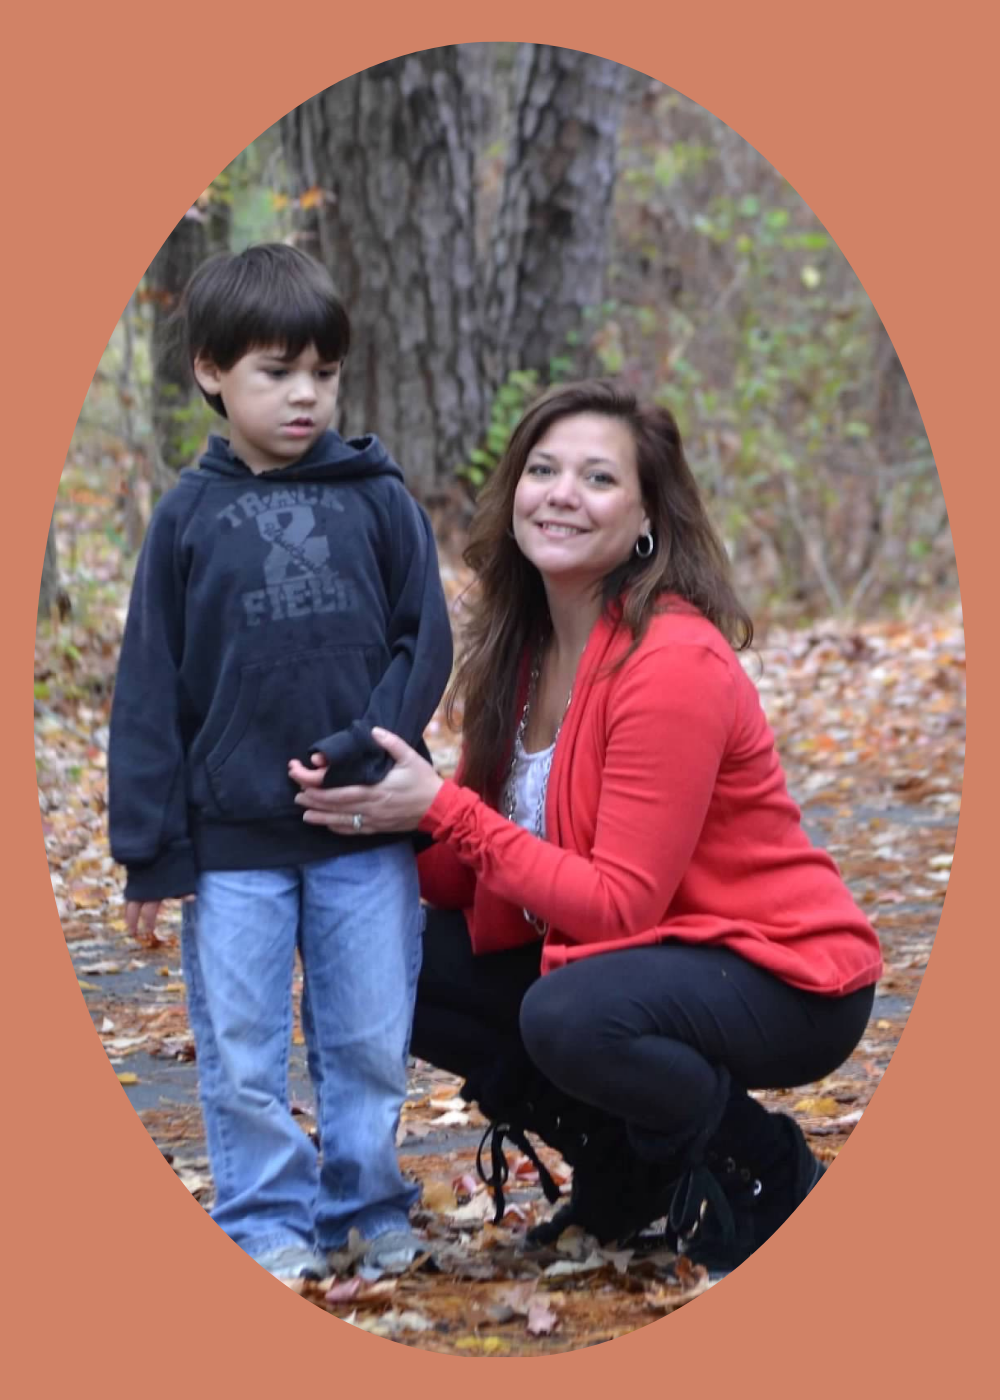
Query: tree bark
point(389, 156)
point(178, 424)
point(550, 243)
point(51, 595)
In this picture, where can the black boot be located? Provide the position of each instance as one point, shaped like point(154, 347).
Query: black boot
point(680, 1157)
point(626, 1177)
point(516, 1099)
point(757, 1169)
point(615, 1192)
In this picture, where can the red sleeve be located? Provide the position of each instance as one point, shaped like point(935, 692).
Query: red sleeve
point(445, 881)
point(669, 722)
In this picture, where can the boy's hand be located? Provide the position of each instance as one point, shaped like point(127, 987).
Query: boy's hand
point(309, 777)
point(140, 918)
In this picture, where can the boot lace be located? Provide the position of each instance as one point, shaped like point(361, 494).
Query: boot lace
point(497, 1133)
point(702, 1206)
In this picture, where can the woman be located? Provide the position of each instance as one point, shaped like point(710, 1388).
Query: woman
point(628, 927)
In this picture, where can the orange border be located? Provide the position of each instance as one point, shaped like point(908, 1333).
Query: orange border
point(118, 116)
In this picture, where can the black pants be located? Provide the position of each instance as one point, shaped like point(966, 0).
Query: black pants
point(637, 1034)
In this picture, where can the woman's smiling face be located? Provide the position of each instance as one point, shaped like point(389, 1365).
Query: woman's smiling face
point(578, 507)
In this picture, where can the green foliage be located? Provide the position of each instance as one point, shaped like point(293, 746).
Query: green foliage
point(747, 323)
point(670, 164)
point(522, 387)
point(191, 424)
point(247, 187)
point(509, 403)
point(798, 361)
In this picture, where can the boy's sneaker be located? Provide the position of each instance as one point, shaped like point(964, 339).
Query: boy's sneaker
point(391, 1253)
point(293, 1261)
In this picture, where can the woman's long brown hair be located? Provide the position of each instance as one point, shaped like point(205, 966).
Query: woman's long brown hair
point(507, 609)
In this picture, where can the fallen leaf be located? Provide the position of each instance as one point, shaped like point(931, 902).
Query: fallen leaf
point(466, 1186)
point(818, 1107)
point(666, 1298)
point(541, 1319)
point(519, 1296)
point(452, 1120)
point(489, 1346)
point(620, 1258)
point(689, 1274)
point(438, 1196)
point(477, 1210)
point(378, 1326)
point(408, 1321)
point(836, 1125)
point(562, 1267)
point(196, 1182)
point(87, 898)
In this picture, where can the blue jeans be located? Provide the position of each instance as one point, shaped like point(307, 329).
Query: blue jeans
point(357, 923)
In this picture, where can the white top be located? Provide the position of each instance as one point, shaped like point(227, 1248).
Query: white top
point(529, 775)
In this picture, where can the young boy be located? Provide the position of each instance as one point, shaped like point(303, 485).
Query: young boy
point(287, 599)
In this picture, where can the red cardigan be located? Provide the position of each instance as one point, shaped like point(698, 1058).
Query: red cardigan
point(667, 817)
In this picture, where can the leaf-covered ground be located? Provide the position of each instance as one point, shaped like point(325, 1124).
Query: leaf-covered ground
point(870, 722)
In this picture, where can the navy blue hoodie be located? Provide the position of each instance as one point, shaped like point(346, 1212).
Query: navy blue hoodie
point(272, 616)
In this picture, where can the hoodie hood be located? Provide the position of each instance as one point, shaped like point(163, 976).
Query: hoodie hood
point(331, 456)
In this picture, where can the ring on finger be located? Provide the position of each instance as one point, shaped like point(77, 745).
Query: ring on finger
point(357, 821)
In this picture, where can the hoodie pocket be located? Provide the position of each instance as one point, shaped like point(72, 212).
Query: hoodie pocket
point(281, 708)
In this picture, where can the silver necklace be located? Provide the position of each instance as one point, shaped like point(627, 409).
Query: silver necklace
point(509, 796)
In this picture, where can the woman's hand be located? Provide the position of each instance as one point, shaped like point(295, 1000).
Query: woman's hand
point(397, 803)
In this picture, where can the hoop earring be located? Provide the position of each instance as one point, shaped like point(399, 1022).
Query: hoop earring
point(647, 540)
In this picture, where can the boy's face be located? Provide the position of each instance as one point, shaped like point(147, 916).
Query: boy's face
point(277, 407)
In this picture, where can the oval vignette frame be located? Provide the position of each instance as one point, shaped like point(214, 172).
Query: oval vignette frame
point(118, 1276)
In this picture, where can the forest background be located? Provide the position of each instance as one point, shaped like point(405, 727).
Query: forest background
point(499, 217)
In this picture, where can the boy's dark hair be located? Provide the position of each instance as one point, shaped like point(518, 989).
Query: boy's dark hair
point(270, 294)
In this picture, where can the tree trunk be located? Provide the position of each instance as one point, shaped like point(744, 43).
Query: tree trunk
point(889, 387)
point(136, 488)
point(51, 596)
point(386, 161)
point(180, 417)
point(550, 242)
